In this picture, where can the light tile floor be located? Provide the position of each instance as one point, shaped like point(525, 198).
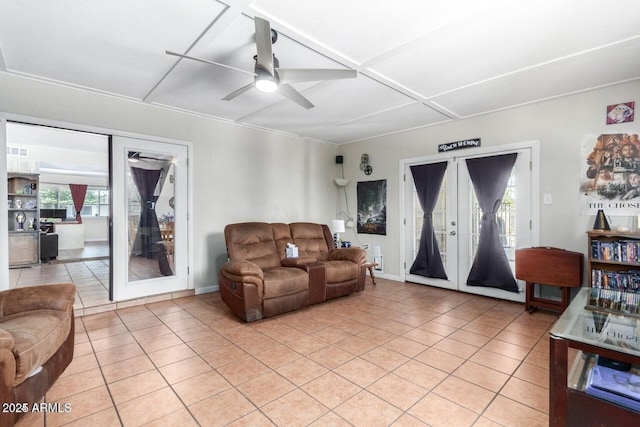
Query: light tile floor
point(396, 354)
point(91, 278)
point(88, 269)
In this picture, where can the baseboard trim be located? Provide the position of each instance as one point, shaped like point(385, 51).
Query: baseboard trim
point(207, 289)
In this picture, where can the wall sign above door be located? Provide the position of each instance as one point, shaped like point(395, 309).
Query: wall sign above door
point(467, 143)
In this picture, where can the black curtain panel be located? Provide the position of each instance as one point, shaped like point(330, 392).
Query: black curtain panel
point(490, 176)
point(148, 234)
point(428, 180)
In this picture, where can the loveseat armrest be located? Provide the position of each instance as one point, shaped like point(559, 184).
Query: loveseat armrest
point(298, 261)
point(357, 255)
point(43, 297)
point(243, 271)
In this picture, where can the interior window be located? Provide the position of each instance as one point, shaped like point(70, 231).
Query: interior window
point(56, 196)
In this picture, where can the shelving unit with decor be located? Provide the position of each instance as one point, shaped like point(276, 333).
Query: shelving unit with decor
point(23, 207)
point(614, 260)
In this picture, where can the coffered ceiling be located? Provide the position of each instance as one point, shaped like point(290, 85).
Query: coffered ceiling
point(419, 62)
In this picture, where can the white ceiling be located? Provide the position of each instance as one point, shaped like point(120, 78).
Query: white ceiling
point(419, 62)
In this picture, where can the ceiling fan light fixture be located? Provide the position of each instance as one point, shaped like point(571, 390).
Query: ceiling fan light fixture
point(266, 84)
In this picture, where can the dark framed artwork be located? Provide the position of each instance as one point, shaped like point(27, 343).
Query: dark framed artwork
point(372, 207)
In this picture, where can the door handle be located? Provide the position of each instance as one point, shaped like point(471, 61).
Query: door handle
point(453, 233)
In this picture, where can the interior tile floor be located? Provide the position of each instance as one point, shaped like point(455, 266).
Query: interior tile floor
point(395, 354)
point(91, 278)
point(88, 269)
point(90, 251)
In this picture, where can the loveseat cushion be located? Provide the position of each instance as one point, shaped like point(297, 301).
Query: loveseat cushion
point(341, 271)
point(37, 335)
point(252, 241)
point(310, 240)
point(283, 281)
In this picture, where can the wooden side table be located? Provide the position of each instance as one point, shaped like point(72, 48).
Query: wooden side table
point(370, 266)
point(549, 266)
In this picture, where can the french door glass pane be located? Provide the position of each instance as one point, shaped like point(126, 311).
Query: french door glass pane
point(439, 221)
point(506, 218)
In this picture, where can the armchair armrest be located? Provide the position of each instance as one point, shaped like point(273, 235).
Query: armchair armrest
point(357, 255)
point(51, 297)
point(242, 271)
point(7, 358)
point(6, 340)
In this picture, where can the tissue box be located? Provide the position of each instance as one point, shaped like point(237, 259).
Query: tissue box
point(292, 252)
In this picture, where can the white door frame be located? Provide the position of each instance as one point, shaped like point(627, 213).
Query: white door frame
point(123, 288)
point(4, 219)
point(4, 240)
point(534, 146)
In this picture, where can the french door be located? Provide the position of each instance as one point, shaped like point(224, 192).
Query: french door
point(149, 218)
point(457, 217)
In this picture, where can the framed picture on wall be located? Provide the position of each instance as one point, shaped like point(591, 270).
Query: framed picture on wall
point(372, 207)
point(610, 175)
point(620, 113)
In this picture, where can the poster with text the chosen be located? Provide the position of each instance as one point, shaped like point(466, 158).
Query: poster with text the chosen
point(610, 175)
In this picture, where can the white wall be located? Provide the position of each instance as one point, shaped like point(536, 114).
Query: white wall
point(559, 124)
point(240, 173)
point(244, 174)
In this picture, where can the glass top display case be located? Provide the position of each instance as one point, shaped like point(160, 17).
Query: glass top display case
point(604, 328)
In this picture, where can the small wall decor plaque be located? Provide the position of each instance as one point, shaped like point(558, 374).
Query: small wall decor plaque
point(467, 143)
point(620, 113)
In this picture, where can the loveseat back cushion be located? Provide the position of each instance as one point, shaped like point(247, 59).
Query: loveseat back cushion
point(37, 335)
point(282, 236)
point(252, 241)
point(310, 239)
point(282, 281)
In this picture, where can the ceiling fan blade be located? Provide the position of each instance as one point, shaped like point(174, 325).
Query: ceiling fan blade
point(240, 91)
point(263, 45)
point(289, 92)
point(210, 62)
point(297, 75)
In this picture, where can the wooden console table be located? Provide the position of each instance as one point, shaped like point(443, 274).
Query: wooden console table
point(577, 328)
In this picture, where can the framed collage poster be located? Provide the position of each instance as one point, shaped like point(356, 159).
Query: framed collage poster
point(610, 175)
point(372, 207)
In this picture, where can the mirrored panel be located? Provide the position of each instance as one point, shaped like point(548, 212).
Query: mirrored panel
point(151, 217)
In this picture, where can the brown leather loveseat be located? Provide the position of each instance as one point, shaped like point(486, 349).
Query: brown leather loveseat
point(36, 344)
point(260, 281)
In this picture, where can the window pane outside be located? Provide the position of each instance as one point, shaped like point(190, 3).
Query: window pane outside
point(55, 196)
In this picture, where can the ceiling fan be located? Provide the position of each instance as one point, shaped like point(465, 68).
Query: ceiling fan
point(267, 74)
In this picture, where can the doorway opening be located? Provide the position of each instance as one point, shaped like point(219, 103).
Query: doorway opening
point(121, 193)
point(73, 237)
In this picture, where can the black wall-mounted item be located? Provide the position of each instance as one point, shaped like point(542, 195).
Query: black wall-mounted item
point(339, 160)
point(601, 222)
